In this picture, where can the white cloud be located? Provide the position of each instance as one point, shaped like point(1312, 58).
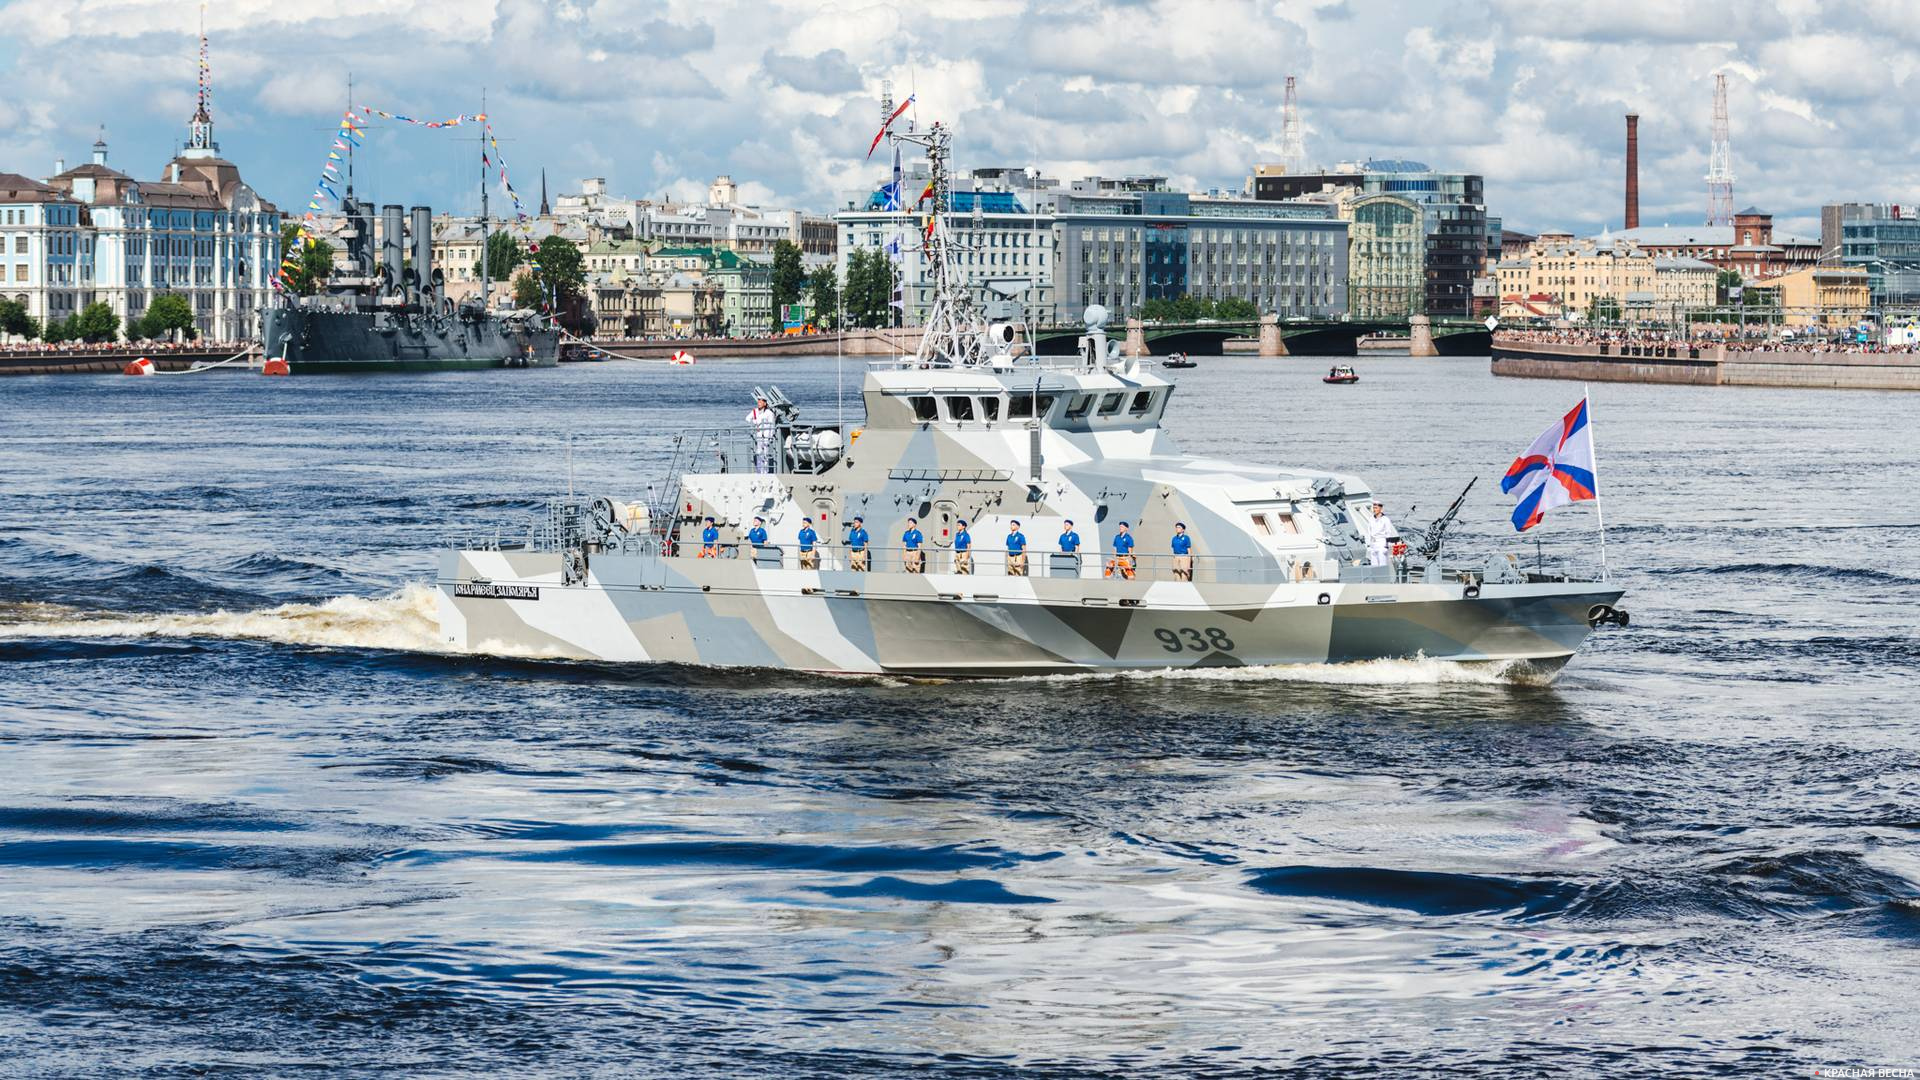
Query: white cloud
point(782, 94)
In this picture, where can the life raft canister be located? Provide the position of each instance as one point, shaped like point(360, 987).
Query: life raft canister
point(142, 366)
point(276, 366)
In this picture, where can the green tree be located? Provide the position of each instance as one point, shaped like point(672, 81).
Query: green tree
point(14, 320)
point(1603, 309)
point(96, 323)
point(788, 277)
point(1235, 308)
point(557, 263)
point(504, 253)
point(168, 313)
point(1724, 283)
point(823, 295)
point(527, 292)
point(312, 266)
point(868, 295)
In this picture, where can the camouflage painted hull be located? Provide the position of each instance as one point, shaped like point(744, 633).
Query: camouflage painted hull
point(731, 612)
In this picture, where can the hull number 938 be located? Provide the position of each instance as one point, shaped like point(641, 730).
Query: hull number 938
point(1188, 639)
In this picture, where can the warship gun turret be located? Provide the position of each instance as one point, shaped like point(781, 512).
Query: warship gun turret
point(975, 428)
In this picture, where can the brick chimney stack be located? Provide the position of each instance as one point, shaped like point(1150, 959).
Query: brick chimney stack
point(1633, 170)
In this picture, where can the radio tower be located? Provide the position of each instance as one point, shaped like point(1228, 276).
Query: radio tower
point(1720, 160)
point(1293, 147)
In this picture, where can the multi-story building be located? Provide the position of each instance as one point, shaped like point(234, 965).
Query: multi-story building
point(746, 293)
point(94, 234)
point(1829, 296)
point(1582, 275)
point(1681, 285)
point(1117, 243)
point(40, 241)
point(1454, 216)
point(1386, 256)
point(1749, 246)
point(1881, 238)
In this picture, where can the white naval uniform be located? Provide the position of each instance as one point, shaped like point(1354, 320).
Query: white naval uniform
point(761, 422)
point(1378, 530)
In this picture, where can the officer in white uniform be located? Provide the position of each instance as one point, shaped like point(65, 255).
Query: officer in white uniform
point(1379, 531)
point(760, 422)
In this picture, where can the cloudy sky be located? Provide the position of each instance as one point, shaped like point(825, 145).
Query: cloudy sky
point(660, 95)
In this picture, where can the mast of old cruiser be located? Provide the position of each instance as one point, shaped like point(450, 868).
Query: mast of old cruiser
point(486, 281)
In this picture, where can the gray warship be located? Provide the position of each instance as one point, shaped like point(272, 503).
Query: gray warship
point(380, 313)
point(973, 427)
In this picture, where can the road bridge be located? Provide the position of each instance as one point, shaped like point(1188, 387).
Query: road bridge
point(1302, 337)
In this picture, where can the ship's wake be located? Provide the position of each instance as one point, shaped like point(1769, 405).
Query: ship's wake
point(1410, 671)
point(405, 620)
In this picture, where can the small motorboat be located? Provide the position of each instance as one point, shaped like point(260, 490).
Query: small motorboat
point(1179, 360)
point(1341, 373)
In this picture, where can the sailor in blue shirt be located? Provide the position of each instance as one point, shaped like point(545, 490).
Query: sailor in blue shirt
point(916, 559)
point(710, 541)
point(1016, 551)
point(962, 549)
point(1069, 540)
point(857, 542)
point(809, 556)
point(1122, 554)
point(1182, 552)
point(757, 536)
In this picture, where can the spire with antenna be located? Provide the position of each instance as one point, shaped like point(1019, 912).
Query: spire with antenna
point(1293, 145)
point(200, 130)
point(545, 211)
point(1720, 159)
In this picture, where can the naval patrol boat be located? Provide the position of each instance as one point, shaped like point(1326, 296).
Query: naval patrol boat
point(975, 428)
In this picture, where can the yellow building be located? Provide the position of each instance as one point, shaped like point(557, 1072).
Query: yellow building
point(1578, 273)
point(1681, 285)
point(1823, 295)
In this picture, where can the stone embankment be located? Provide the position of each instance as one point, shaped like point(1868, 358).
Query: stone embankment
point(1704, 365)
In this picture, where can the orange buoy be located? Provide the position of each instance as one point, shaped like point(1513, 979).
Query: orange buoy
point(275, 366)
point(142, 366)
point(683, 357)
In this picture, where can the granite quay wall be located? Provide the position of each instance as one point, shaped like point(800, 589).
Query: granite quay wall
point(1706, 366)
point(855, 343)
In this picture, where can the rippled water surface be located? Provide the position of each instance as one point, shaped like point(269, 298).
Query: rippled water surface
point(252, 819)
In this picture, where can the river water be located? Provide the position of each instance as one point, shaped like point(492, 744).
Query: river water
point(252, 819)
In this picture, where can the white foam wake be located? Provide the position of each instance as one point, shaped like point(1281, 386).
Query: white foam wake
point(405, 620)
point(1414, 671)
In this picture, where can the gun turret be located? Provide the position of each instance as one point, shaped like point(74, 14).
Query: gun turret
point(1434, 536)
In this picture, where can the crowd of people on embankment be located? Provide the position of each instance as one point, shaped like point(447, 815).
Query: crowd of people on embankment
point(1732, 342)
point(133, 348)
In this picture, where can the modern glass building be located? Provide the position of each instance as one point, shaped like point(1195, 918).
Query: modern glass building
point(1882, 238)
point(1058, 248)
point(1453, 216)
point(1386, 273)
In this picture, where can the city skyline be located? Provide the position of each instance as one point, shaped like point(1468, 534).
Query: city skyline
point(659, 98)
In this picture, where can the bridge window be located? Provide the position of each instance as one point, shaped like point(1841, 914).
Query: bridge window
point(1079, 404)
point(989, 408)
point(924, 410)
point(1142, 402)
point(1110, 404)
point(959, 408)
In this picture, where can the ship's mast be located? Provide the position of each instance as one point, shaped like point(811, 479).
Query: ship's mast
point(954, 330)
point(486, 281)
